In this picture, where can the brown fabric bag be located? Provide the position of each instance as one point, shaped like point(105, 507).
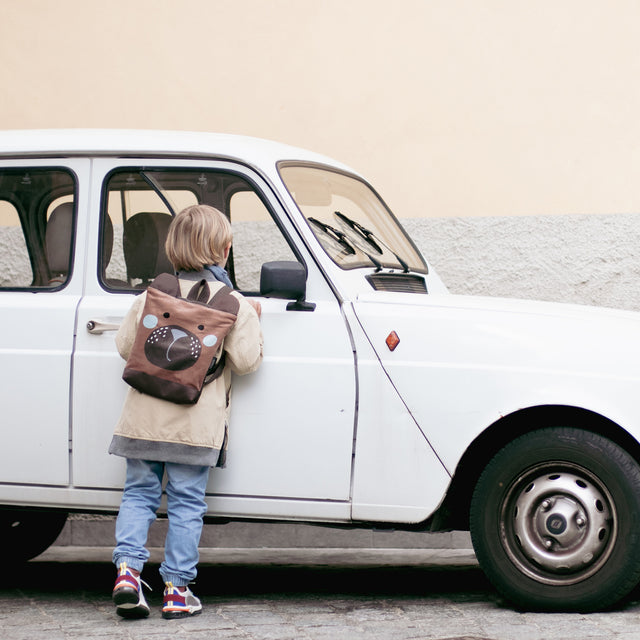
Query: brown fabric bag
point(177, 349)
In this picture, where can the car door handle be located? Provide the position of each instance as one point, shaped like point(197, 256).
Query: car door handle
point(99, 326)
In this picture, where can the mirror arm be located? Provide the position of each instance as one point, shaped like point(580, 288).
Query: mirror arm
point(301, 305)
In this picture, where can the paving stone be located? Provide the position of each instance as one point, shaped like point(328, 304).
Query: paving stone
point(65, 595)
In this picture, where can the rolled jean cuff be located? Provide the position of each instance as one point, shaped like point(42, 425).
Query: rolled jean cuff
point(174, 579)
point(133, 563)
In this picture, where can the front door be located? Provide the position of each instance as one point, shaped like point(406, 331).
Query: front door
point(292, 422)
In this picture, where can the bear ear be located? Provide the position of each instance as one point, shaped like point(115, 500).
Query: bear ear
point(210, 340)
point(150, 321)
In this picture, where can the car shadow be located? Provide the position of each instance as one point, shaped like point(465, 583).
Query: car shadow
point(230, 581)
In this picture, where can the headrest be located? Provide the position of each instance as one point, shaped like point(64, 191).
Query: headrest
point(58, 238)
point(144, 236)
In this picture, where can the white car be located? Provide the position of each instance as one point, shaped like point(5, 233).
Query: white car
point(381, 399)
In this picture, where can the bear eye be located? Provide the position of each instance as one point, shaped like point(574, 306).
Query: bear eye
point(201, 327)
point(165, 314)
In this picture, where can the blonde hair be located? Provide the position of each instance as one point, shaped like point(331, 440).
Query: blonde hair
point(198, 237)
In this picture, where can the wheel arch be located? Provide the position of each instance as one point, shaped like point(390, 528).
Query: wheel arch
point(453, 514)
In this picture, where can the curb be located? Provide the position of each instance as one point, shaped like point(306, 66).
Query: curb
point(288, 557)
point(98, 531)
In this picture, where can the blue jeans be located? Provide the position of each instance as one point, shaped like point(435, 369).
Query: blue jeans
point(186, 485)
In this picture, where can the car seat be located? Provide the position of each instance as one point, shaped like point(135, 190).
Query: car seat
point(144, 236)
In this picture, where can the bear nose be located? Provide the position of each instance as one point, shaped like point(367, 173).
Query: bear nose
point(176, 334)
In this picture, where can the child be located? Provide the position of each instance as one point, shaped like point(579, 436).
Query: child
point(183, 441)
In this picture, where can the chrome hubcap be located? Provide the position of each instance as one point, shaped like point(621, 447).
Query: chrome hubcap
point(559, 526)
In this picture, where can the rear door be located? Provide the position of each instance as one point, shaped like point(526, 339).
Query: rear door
point(43, 208)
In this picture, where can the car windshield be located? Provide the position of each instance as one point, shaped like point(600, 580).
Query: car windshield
point(350, 220)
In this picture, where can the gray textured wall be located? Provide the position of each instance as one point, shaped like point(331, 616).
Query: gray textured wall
point(14, 264)
point(584, 259)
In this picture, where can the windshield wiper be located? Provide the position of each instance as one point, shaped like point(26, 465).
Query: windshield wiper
point(363, 231)
point(334, 233)
point(372, 239)
point(343, 239)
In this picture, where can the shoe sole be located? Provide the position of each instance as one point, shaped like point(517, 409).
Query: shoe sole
point(124, 596)
point(133, 612)
point(175, 615)
point(128, 604)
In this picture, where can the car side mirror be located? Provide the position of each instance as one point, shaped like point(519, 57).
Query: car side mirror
point(286, 280)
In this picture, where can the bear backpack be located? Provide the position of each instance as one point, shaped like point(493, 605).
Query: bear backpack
point(177, 346)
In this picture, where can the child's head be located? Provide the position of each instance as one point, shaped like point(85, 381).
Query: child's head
point(199, 235)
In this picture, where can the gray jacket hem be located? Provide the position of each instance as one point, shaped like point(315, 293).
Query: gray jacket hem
point(164, 451)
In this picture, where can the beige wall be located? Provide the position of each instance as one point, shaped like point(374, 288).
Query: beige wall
point(450, 107)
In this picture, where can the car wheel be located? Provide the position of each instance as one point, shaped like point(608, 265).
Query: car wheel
point(555, 521)
point(27, 534)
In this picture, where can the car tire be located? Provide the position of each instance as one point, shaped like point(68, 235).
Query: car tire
point(555, 521)
point(27, 533)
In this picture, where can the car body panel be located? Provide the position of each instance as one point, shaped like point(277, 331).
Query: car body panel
point(463, 362)
point(397, 477)
point(335, 426)
point(36, 346)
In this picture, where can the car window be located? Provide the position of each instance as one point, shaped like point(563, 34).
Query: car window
point(256, 239)
point(139, 204)
point(349, 219)
point(37, 221)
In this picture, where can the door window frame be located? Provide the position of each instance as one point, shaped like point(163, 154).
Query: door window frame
point(258, 185)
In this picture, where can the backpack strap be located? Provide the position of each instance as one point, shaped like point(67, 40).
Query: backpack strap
point(215, 370)
point(223, 301)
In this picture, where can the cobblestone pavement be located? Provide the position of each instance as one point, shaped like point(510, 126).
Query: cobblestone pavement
point(300, 595)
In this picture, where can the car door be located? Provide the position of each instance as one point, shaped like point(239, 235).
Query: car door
point(42, 220)
point(292, 422)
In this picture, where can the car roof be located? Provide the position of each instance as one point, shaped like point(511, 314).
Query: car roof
point(147, 142)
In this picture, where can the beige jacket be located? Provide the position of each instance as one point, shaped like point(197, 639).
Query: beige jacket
point(153, 429)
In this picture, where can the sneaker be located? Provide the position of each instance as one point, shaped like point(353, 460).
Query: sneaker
point(127, 594)
point(179, 604)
